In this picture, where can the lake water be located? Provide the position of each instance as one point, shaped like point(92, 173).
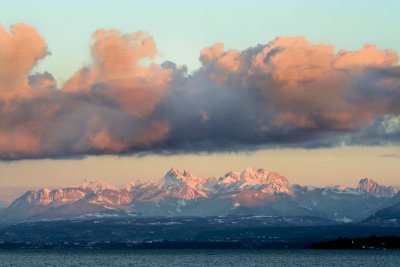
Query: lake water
point(202, 258)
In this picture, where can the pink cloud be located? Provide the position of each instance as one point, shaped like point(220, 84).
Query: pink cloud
point(294, 59)
point(118, 65)
point(223, 62)
point(369, 55)
point(288, 92)
point(18, 142)
point(20, 50)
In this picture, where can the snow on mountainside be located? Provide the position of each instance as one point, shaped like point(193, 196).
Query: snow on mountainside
point(372, 187)
point(94, 186)
point(129, 186)
point(251, 179)
point(252, 191)
point(183, 185)
point(76, 200)
point(46, 196)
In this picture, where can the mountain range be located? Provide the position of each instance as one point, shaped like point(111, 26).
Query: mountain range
point(180, 193)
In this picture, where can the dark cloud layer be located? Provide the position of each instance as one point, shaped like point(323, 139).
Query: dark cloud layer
point(287, 93)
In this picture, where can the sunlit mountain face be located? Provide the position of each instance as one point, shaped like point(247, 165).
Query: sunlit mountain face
point(180, 193)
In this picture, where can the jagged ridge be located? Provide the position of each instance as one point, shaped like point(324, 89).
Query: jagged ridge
point(252, 191)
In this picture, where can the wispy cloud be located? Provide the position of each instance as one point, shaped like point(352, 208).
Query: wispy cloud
point(287, 93)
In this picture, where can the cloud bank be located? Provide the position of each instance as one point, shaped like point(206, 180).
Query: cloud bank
point(286, 93)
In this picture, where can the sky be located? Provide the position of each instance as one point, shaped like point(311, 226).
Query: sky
point(182, 28)
point(211, 108)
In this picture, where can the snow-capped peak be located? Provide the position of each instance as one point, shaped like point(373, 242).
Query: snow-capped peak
point(177, 177)
point(183, 184)
point(174, 172)
point(254, 179)
point(231, 177)
point(179, 173)
point(367, 184)
point(263, 176)
point(370, 186)
point(129, 186)
point(253, 173)
point(95, 186)
point(183, 193)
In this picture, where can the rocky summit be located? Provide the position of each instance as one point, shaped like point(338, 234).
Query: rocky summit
point(181, 193)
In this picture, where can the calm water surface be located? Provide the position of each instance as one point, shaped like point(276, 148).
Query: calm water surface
point(201, 258)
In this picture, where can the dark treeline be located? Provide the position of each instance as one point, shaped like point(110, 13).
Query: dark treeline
point(372, 242)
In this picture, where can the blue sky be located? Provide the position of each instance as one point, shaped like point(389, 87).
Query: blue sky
point(182, 28)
